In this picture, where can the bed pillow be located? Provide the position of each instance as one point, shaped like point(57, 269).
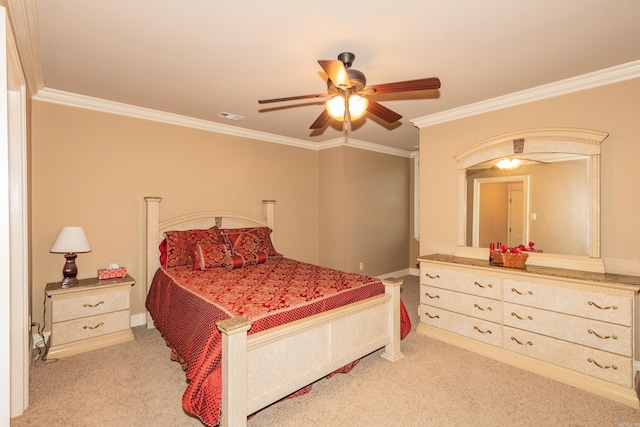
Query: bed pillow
point(251, 240)
point(179, 244)
point(210, 255)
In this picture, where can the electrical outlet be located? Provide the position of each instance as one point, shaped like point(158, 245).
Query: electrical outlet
point(361, 266)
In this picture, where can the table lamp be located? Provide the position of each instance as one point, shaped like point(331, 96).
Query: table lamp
point(70, 242)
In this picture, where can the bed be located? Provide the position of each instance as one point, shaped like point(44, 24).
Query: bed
point(239, 356)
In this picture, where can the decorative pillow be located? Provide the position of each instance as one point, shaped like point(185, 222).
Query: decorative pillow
point(239, 261)
point(249, 240)
point(179, 244)
point(210, 255)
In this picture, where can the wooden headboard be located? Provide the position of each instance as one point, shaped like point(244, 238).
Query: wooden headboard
point(198, 220)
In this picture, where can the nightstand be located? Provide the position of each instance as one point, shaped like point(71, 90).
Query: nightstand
point(90, 315)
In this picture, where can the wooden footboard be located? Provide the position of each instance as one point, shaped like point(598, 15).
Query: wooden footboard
point(262, 368)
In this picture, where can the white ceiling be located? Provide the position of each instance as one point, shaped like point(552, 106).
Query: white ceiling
point(198, 58)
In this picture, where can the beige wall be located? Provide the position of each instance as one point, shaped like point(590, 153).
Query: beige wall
point(364, 210)
point(332, 205)
point(376, 211)
point(93, 169)
point(613, 108)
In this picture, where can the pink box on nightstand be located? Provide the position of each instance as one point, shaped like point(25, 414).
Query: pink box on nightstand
point(112, 273)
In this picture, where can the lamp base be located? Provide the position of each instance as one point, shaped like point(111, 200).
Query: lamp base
point(70, 271)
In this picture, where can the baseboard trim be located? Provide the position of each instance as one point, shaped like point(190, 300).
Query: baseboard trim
point(138, 319)
point(400, 273)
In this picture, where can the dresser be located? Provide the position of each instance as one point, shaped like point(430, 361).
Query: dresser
point(579, 328)
point(89, 315)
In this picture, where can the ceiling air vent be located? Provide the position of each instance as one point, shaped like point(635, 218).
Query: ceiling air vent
point(230, 116)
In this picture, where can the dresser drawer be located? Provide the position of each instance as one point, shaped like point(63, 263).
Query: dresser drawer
point(89, 327)
point(470, 305)
point(461, 281)
point(600, 364)
point(592, 333)
point(470, 327)
point(610, 306)
point(90, 303)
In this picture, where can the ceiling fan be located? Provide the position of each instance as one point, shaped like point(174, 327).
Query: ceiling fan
point(349, 94)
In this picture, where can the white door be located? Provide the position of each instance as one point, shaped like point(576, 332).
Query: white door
point(515, 216)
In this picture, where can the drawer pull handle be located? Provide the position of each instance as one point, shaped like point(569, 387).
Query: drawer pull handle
point(437, 276)
point(483, 309)
point(521, 318)
point(432, 317)
point(93, 327)
point(521, 343)
point(606, 337)
point(483, 286)
point(93, 305)
point(614, 367)
point(431, 296)
point(488, 331)
point(521, 293)
point(614, 307)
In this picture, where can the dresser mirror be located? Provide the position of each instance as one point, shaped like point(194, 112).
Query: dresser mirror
point(543, 200)
point(554, 195)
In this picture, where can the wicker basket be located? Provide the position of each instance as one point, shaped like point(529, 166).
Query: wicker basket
point(509, 260)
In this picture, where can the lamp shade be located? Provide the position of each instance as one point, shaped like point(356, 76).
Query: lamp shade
point(70, 240)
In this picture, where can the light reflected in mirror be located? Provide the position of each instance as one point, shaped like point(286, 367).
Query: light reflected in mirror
point(545, 200)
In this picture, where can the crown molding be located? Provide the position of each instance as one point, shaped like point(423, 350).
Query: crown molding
point(96, 104)
point(350, 142)
point(25, 28)
point(604, 77)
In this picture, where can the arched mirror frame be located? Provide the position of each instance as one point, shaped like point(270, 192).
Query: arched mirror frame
point(548, 140)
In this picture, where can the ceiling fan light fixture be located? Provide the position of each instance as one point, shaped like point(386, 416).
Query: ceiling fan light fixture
point(335, 107)
point(357, 107)
point(509, 163)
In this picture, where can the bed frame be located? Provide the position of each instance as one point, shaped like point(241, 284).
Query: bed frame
point(262, 368)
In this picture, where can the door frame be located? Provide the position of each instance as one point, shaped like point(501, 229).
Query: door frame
point(15, 219)
point(477, 183)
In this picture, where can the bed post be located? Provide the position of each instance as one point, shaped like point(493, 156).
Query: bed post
point(153, 205)
point(234, 371)
point(392, 351)
point(268, 208)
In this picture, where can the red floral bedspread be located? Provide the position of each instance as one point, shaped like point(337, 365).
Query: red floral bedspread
point(186, 303)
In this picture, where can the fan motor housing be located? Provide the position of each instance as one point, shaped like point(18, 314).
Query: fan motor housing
point(357, 79)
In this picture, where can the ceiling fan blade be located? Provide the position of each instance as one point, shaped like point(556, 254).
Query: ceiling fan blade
point(407, 86)
point(337, 72)
point(292, 98)
point(383, 112)
point(322, 120)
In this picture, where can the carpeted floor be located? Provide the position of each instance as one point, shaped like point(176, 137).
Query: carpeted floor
point(136, 384)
